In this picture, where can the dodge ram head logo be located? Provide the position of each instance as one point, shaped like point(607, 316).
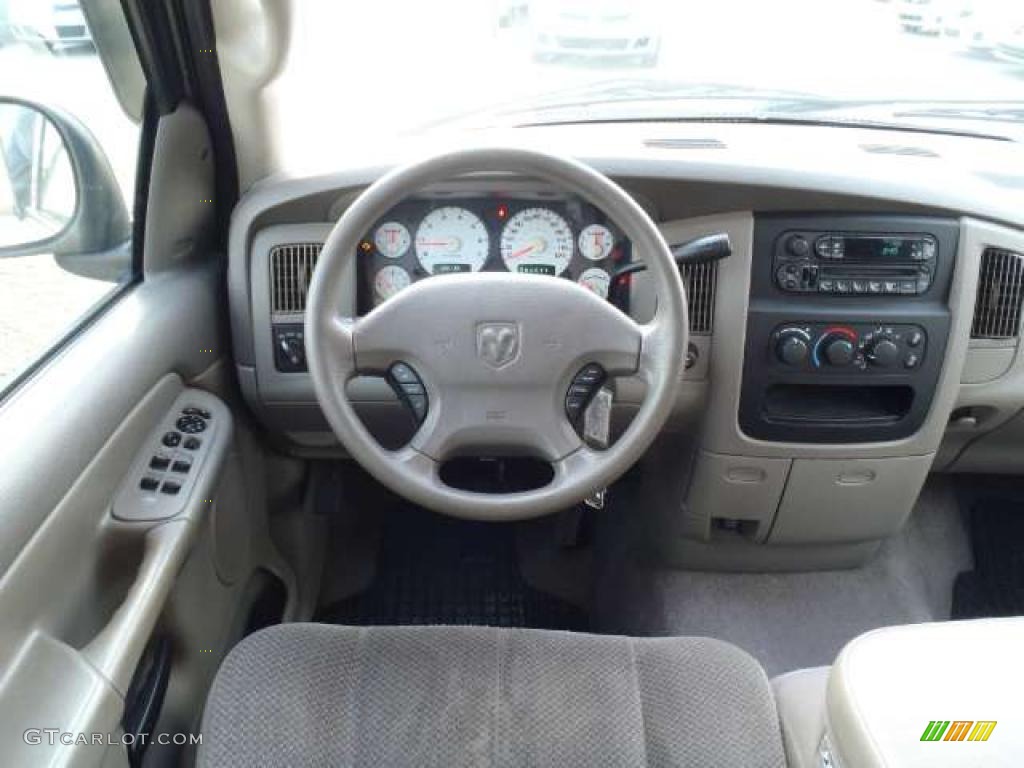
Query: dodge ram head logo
point(497, 344)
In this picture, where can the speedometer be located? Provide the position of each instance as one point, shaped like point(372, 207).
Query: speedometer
point(452, 239)
point(537, 241)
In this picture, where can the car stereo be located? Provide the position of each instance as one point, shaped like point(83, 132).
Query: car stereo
point(854, 263)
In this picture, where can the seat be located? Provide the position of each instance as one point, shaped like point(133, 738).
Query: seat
point(312, 694)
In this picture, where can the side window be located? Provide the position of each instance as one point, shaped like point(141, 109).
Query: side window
point(68, 149)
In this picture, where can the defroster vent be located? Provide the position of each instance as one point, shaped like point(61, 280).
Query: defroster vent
point(997, 307)
point(699, 280)
point(291, 269)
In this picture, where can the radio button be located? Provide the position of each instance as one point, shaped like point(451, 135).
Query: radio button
point(908, 286)
point(910, 361)
point(874, 286)
point(890, 286)
point(829, 247)
point(842, 286)
point(914, 338)
point(859, 286)
point(826, 286)
point(798, 246)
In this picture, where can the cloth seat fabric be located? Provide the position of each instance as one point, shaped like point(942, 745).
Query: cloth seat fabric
point(326, 695)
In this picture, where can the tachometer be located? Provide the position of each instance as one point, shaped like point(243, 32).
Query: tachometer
point(392, 239)
point(452, 239)
point(537, 241)
point(596, 242)
point(597, 280)
point(389, 281)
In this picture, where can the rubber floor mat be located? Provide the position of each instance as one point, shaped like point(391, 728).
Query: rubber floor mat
point(437, 570)
point(996, 585)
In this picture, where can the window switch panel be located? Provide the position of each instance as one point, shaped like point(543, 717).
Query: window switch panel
point(175, 468)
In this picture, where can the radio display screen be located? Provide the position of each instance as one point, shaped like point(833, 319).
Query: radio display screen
point(870, 248)
point(882, 248)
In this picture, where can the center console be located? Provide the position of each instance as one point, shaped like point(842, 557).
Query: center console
point(847, 326)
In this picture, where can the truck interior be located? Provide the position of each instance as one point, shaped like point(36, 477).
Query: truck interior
point(499, 384)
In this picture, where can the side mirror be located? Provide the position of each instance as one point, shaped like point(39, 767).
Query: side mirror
point(58, 194)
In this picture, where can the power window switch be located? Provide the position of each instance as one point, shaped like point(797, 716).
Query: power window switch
point(181, 467)
point(170, 487)
point(149, 483)
point(159, 463)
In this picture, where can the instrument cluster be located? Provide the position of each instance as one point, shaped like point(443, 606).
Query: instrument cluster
point(419, 238)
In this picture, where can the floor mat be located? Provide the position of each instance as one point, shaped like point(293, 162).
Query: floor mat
point(996, 585)
point(438, 570)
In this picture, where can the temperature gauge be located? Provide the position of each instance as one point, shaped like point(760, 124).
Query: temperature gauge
point(596, 242)
point(389, 281)
point(392, 239)
point(596, 280)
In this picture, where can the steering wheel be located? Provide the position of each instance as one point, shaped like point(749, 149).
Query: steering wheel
point(494, 354)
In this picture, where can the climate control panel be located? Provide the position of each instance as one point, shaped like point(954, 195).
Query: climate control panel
point(849, 347)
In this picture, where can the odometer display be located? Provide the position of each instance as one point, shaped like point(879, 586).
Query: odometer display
point(451, 269)
point(536, 269)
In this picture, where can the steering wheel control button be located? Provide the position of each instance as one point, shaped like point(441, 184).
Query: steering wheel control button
point(149, 483)
point(191, 424)
point(584, 386)
point(403, 374)
point(408, 387)
point(171, 439)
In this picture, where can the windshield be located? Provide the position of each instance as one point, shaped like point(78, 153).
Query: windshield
point(384, 68)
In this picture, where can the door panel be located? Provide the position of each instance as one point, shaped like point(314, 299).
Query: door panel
point(81, 592)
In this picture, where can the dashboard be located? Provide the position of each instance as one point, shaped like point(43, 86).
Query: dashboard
point(426, 236)
point(864, 333)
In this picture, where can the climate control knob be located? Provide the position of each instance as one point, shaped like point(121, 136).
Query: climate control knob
point(883, 352)
point(792, 347)
point(839, 351)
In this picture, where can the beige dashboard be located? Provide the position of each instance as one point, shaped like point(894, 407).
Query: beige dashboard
point(769, 501)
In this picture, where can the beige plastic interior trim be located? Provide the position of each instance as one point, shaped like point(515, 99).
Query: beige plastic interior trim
point(74, 676)
point(800, 698)
point(741, 488)
point(887, 685)
point(849, 500)
point(996, 401)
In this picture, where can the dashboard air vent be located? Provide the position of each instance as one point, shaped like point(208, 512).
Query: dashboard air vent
point(897, 149)
point(291, 269)
point(998, 303)
point(685, 143)
point(699, 280)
